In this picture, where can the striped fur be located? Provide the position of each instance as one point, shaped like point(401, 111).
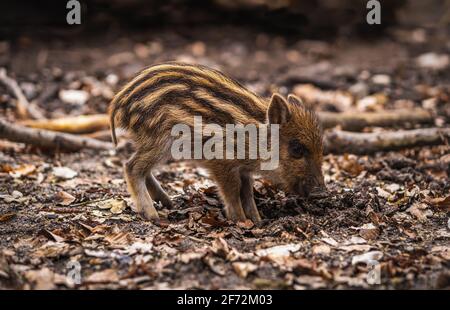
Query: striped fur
point(193, 89)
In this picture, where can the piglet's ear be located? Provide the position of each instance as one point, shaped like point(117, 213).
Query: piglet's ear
point(293, 99)
point(278, 112)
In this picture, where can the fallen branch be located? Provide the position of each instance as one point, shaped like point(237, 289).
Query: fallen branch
point(24, 108)
point(336, 142)
point(354, 121)
point(49, 139)
point(350, 121)
point(339, 142)
point(75, 124)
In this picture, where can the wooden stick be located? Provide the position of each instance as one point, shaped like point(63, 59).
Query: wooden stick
point(351, 121)
point(355, 121)
point(24, 108)
point(74, 124)
point(49, 139)
point(336, 142)
point(339, 142)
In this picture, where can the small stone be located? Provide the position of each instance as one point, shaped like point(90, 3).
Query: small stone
point(64, 173)
point(72, 96)
point(433, 61)
point(381, 79)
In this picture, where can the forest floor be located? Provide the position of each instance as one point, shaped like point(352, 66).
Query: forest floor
point(64, 213)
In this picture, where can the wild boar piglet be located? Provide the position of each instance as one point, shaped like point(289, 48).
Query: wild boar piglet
point(167, 95)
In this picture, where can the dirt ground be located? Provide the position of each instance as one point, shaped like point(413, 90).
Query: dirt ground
point(61, 213)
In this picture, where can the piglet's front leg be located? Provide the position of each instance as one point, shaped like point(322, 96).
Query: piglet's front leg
point(247, 199)
point(229, 184)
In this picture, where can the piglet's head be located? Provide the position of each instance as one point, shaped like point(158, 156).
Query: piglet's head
point(300, 145)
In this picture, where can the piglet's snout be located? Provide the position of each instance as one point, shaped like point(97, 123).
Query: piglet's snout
point(312, 188)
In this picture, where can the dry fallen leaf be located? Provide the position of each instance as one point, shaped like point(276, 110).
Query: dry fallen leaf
point(22, 170)
point(330, 241)
point(42, 279)
point(367, 257)
point(64, 198)
point(220, 247)
point(242, 269)
point(417, 210)
point(215, 265)
point(350, 165)
point(52, 236)
point(190, 256)
point(441, 250)
point(247, 224)
point(321, 249)
point(369, 231)
point(104, 276)
point(6, 217)
point(51, 249)
point(356, 247)
point(118, 239)
point(441, 203)
point(278, 254)
point(314, 282)
point(116, 206)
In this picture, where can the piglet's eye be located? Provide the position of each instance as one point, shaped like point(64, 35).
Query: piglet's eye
point(297, 149)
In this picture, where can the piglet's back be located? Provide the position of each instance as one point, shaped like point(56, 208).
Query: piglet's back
point(163, 95)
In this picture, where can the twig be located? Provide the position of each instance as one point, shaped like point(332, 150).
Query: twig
point(338, 142)
point(24, 108)
point(87, 202)
point(49, 139)
point(353, 121)
point(74, 124)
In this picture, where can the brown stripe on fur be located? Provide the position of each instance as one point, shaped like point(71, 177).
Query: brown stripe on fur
point(195, 90)
point(220, 85)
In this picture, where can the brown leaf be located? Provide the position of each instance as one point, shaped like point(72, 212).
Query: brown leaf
point(118, 239)
point(52, 235)
point(52, 250)
point(213, 220)
point(22, 170)
point(350, 165)
point(247, 224)
point(215, 265)
point(64, 198)
point(243, 268)
point(104, 276)
point(416, 210)
point(442, 250)
point(42, 279)
point(190, 256)
point(279, 254)
point(220, 247)
point(116, 206)
point(7, 217)
point(442, 203)
point(369, 232)
point(321, 249)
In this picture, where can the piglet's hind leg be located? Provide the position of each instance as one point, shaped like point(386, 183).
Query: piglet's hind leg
point(136, 170)
point(156, 191)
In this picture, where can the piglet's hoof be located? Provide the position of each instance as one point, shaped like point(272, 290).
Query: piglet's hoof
point(150, 215)
point(166, 203)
